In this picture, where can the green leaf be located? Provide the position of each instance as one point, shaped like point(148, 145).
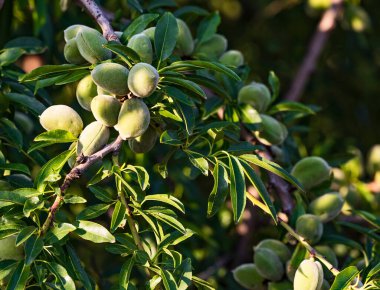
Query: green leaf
point(138, 25)
point(33, 247)
point(219, 191)
point(165, 37)
point(361, 229)
point(19, 277)
point(237, 187)
point(101, 193)
point(179, 95)
point(32, 104)
point(208, 27)
point(117, 216)
point(154, 4)
point(10, 55)
point(136, 5)
point(166, 198)
point(198, 161)
point(32, 45)
point(153, 283)
point(272, 167)
point(186, 274)
point(344, 278)
point(168, 280)
point(288, 106)
point(56, 136)
point(124, 52)
point(52, 167)
point(18, 196)
point(274, 83)
point(62, 278)
point(189, 85)
point(93, 211)
point(9, 131)
point(25, 234)
point(188, 116)
point(69, 198)
point(58, 232)
point(6, 268)
point(79, 271)
point(189, 9)
point(373, 273)
point(174, 238)
point(170, 137)
point(15, 167)
point(94, 232)
point(169, 220)
point(202, 284)
point(260, 187)
point(369, 217)
point(32, 204)
point(125, 273)
point(148, 220)
point(47, 70)
point(186, 65)
point(141, 174)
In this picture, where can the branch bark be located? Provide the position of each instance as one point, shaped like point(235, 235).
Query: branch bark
point(75, 173)
point(317, 43)
point(97, 13)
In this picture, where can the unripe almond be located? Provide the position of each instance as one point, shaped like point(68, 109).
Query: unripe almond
point(93, 138)
point(272, 132)
point(9, 251)
point(310, 227)
point(284, 285)
point(142, 45)
point(143, 80)
point(61, 117)
point(232, 58)
point(248, 277)
point(185, 41)
point(112, 77)
point(86, 91)
point(276, 246)
point(307, 276)
point(90, 44)
point(212, 48)
point(255, 94)
point(311, 171)
point(327, 206)
point(268, 264)
point(106, 109)
point(134, 119)
point(150, 32)
point(71, 52)
point(72, 31)
point(145, 142)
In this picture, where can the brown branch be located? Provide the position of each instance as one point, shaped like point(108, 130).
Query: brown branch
point(98, 14)
point(325, 26)
point(75, 173)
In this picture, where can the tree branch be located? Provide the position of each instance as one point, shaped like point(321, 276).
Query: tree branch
point(75, 173)
point(325, 26)
point(97, 13)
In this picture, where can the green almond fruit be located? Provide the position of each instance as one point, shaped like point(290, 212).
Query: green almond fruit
point(232, 58)
point(61, 117)
point(145, 142)
point(248, 277)
point(268, 264)
point(111, 77)
point(212, 48)
point(106, 109)
point(272, 132)
point(255, 94)
point(143, 80)
point(73, 159)
point(319, 4)
point(101, 91)
point(86, 91)
point(320, 275)
point(71, 52)
point(150, 32)
point(185, 41)
point(134, 119)
point(90, 44)
point(142, 45)
point(357, 18)
point(307, 276)
point(310, 227)
point(311, 171)
point(9, 251)
point(373, 163)
point(328, 206)
point(276, 246)
point(72, 31)
point(284, 285)
point(93, 138)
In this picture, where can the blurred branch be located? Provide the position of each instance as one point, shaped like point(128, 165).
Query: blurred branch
point(1, 3)
point(75, 173)
point(98, 14)
point(221, 262)
point(325, 26)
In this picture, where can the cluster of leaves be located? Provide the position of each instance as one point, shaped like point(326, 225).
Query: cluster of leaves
point(126, 211)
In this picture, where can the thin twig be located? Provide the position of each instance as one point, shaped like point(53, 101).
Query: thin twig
point(325, 26)
point(75, 173)
point(97, 13)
